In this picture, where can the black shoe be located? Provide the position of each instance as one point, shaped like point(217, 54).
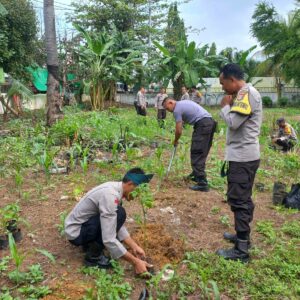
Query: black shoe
point(232, 238)
point(199, 188)
point(144, 294)
point(101, 262)
point(238, 252)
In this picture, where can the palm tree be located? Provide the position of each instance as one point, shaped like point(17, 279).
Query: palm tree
point(54, 101)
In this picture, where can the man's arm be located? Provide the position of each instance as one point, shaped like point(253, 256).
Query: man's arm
point(178, 132)
point(232, 119)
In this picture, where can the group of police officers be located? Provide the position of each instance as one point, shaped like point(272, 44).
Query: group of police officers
point(97, 221)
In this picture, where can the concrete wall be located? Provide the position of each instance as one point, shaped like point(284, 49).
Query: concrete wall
point(37, 102)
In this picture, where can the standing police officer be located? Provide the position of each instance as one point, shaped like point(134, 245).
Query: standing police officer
point(242, 112)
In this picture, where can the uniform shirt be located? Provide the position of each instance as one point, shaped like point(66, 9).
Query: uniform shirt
point(141, 99)
point(242, 144)
point(185, 96)
point(189, 112)
point(287, 132)
point(159, 100)
point(104, 200)
point(196, 97)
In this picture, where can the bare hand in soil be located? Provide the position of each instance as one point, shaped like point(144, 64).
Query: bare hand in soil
point(141, 266)
point(138, 252)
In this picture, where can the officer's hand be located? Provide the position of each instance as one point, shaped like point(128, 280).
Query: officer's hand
point(141, 266)
point(175, 143)
point(138, 251)
point(227, 100)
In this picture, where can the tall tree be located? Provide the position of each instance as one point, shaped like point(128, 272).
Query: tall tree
point(54, 101)
point(175, 30)
point(18, 31)
point(141, 18)
point(279, 38)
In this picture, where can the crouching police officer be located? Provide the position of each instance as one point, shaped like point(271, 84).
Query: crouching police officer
point(242, 112)
point(97, 222)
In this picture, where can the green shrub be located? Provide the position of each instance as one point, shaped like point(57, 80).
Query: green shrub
point(283, 101)
point(267, 101)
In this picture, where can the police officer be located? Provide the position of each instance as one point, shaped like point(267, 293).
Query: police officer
point(191, 113)
point(161, 112)
point(141, 103)
point(242, 112)
point(184, 94)
point(97, 222)
point(196, 95)
point(286, 136)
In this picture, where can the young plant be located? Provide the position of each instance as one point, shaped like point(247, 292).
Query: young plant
point(145, 197)
point(10, 217)
point(19, 179)
point(84, 162)
point(46, 161)
point(61, 225)
point(16, 275)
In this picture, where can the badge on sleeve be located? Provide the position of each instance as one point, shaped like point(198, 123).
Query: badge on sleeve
point(241, 103)
point(117, 201)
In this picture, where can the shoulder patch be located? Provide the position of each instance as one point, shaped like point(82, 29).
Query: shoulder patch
point(241, 104)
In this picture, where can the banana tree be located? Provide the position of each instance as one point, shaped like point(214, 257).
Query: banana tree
point(104, 63)
point(185, 66)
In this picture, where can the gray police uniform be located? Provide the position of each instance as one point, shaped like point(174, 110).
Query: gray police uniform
point(96, 217)
point(191, 113)
point(141, 104)
point(161, 112)
point(244, 120)
point(185, 96)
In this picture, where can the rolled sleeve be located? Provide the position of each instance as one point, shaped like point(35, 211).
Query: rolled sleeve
point(123, 233)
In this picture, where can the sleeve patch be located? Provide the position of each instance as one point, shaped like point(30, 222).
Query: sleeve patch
point(241, 104)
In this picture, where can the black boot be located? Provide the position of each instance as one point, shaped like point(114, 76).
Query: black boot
point(232, 238)
point(100, 261)
point(201, 185)
point(94, 257)
point(238, 252)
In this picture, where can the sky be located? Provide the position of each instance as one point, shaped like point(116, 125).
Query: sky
point(225, 22)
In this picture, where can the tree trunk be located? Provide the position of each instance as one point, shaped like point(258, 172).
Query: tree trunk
point(177, 85)
point(54, 101)
point(278, 87)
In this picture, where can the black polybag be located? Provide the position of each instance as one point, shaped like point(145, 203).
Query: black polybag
point(292, 200)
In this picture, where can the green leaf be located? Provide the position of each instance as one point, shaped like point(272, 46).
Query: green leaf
point(47, 254)
point(162, 49)
point(191, 50)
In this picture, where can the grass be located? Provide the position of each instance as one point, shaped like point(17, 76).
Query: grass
point(121, 136)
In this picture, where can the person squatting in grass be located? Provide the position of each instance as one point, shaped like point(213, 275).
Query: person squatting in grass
point(242, 112)
point(191, 113)
point(286, 137)
point(97, 222)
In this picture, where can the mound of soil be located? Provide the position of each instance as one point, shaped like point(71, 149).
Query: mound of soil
point(159, 245)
